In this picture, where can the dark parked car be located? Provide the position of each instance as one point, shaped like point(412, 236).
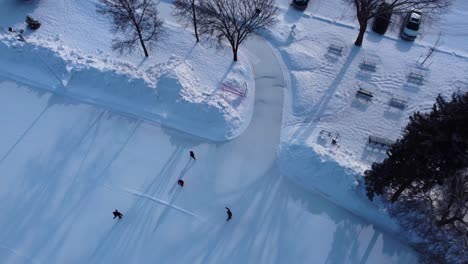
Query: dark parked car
point(300, 4)
point(382, 20)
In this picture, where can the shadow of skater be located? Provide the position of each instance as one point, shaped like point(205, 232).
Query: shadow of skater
point(185, 169)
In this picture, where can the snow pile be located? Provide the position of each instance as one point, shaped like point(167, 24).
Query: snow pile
point(338, 184)
point(166, 92)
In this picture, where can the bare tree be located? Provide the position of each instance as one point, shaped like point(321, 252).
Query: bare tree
point(431, 49)
point(235, 21)
point(186, 10)
point(138, 20)
point(368, 9)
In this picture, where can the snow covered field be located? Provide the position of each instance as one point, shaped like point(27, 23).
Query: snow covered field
point(451, 24)
point(118, 132)
point(66, 165)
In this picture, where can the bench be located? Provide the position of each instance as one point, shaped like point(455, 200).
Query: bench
point(368, 66)
point(416, 78)
point(398, 103)
point(377, 140)
point(335, 49)
point(326, 135)
point(364, 94)
point(417, 74)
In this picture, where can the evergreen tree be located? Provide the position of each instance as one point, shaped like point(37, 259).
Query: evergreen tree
point(433, 149)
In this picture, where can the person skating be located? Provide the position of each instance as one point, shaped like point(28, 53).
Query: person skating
point(192, 155)
point(118, 214)
point(180, 183)
point(229, 214)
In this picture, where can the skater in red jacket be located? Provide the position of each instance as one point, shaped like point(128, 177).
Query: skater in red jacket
point(180, 183)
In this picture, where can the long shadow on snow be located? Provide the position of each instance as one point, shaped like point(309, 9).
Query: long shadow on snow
point(53, 100)
point(304, 131)
point(133, 231)
point(39, 184)
point(49, 189)
point(262, 206)
point(81, 188)
point(223, 241)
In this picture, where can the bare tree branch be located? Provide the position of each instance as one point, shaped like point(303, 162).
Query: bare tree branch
point(188, 11)
point(235, 21)
point(138, 20)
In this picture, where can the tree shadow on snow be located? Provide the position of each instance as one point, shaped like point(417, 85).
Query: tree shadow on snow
point(319, 108)
point(292, 15)
point(52, 197)
point(136, 231)
point(13, 12)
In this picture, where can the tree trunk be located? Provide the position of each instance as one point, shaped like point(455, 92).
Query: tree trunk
point(400, 191)
point(144, 48)
point(360, 37)
point(194, 17)
point(142, 43)
point(234, 51)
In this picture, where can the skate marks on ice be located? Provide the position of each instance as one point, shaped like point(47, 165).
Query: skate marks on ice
point(135, 233)
point(65, 184)
point(160, 201)
point(15, 256)
point(23, 135)
point(253, 233)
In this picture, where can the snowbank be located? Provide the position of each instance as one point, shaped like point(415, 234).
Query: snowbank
point(168, 92)
point(338, 184)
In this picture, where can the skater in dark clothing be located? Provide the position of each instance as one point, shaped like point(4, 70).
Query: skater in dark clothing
point(192, 155)
point(118, 214)
point(229, 214)
point(180, 183)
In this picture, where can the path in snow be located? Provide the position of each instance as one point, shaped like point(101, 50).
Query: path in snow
point(64, 173)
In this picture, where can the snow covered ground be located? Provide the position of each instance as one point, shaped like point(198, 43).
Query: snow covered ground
point(451, 25)
point(70, 155)
point(188, 86)
point(66, 165)
point(326, 73)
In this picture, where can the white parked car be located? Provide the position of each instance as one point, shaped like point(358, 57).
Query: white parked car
point(411, 25)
